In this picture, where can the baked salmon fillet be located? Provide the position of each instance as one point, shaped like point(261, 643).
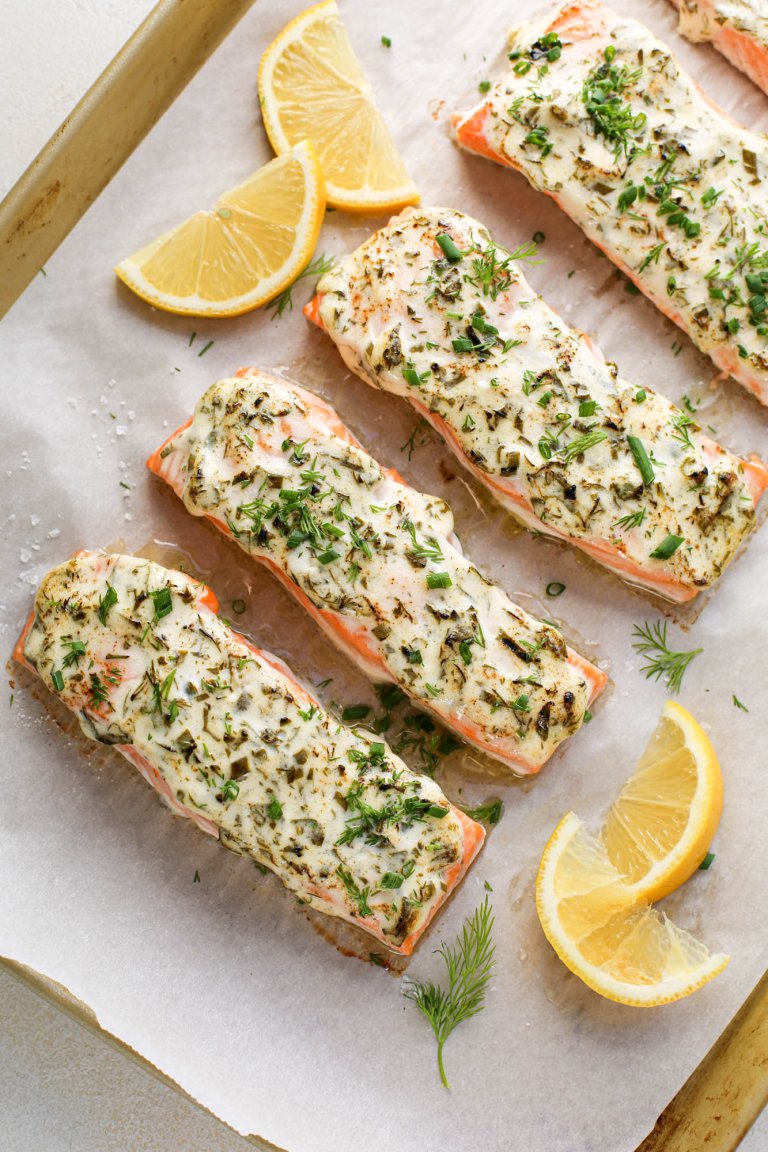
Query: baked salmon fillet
point(431, 308)
point(595, 111)
point(737, 28)
point(376, 564)
point(230, 739)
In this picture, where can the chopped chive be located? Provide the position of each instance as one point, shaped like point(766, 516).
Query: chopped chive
point(484, 86)
point(414, 656)
point(107, 601)
point(637, 448)
point(438, 580)
point(667, 548)
point(450, 250)
point(555, 588)
point(739, 704)
point(706, 862)
point(586, 717)
point(203, 351)
point(274, 809)
point(162, 601)
point(386, 41)
point(327, 556)
point(58, 680)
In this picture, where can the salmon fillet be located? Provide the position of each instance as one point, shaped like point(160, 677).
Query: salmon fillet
point(596, 112)
point(377, 565)
point(737, 28)
point(231, 740)
point(431, 308)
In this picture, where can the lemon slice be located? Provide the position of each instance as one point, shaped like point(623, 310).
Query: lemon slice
point(619, 946)
point(243, 252)
point(311, 85)
point(658, 831)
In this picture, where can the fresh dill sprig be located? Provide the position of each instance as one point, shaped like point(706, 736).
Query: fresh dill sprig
point(76, 650)
point(651, 642)
point(488, 813)
point(420, 435)
point(632, 520)
point(681, 422)
point(492, 270)
point(359, 895)
point(370, 822)
point(284, 301)
point(429, 549)
point(468, 966)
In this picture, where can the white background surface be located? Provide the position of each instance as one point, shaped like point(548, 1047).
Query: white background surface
point(59, 1087)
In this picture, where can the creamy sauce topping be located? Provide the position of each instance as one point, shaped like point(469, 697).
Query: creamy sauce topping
point(531, 403)
point(701, 19)
point(600, 115)
point(344, 823)
point(380, 562)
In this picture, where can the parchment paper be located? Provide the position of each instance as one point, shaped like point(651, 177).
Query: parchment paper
point(223, 984)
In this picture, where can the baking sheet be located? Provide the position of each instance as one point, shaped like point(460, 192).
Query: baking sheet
point(224, 984)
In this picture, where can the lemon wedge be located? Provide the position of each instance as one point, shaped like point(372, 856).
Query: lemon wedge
point(618, 945)
point(242, 253)
point(659, 829)
point(311, 85)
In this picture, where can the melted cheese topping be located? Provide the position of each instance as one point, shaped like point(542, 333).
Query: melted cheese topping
point(518, 394)
point(378, 565)
point(342, 821)
point(602, 117)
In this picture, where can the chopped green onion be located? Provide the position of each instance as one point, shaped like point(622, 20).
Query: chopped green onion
point(450, 250)
point(637, 448)
point(58, 680)
point(386, 41)
point(107, 601)
point(162, 602)
point(438, 580)
point(667, 547)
